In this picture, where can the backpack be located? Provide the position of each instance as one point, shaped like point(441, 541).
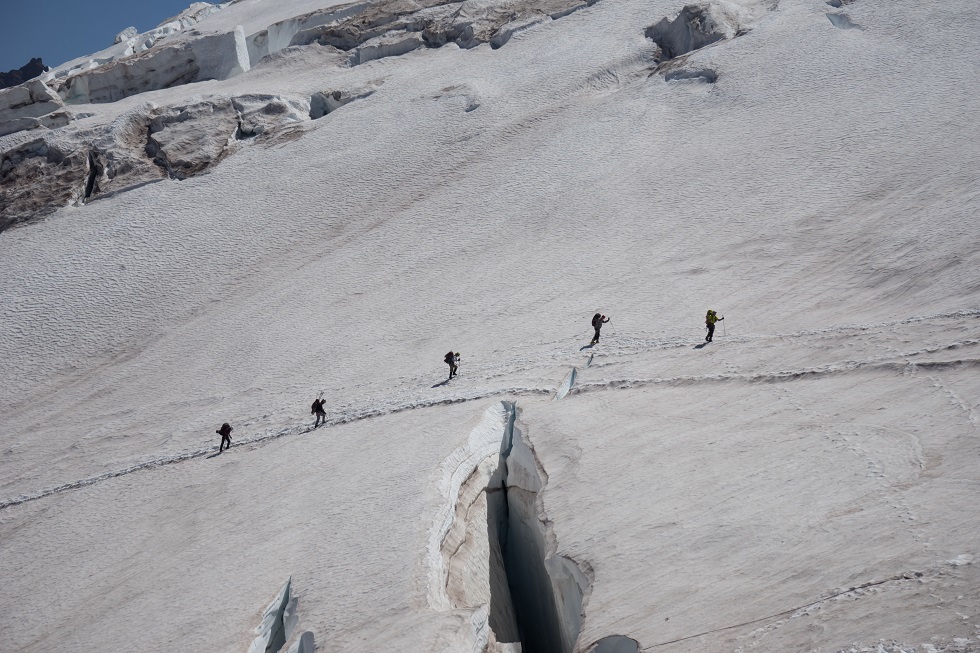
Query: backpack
point(450, 358)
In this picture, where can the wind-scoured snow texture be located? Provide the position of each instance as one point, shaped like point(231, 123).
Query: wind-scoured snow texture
point(31, 105)
point(845, 537)
point(726, 496)
point(231, 532)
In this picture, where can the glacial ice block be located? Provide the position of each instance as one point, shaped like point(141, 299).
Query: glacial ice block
point(214, 56)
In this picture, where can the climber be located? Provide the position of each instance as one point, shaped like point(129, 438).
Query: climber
point(709, 322)
point(452, 359)
point(597, 321)
point(225, 433)
point(317, 409)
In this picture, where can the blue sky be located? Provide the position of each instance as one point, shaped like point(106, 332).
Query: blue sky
point(60, 30)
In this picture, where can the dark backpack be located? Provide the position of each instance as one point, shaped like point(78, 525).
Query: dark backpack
point(450, 358)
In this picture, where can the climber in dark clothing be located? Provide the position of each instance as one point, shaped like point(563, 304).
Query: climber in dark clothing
point(225, 433)
point(317, 409)
point(597, 321)
point(452, 359)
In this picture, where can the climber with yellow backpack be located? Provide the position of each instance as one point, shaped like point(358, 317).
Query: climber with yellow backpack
point(709, 322)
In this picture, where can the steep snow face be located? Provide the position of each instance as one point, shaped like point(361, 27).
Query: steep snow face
point(170, 56)
point(804, 482)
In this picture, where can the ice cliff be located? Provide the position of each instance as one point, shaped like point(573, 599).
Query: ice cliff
point(75, 157)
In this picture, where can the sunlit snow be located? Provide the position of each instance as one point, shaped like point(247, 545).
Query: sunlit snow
point(260, 201)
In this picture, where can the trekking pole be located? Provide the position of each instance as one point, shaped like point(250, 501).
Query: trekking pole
point(722, 326)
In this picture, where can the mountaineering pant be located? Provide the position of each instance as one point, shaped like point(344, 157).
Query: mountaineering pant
point(320, 417)
point(224, 439)
point(595, 338)
point(452, 370)
point(711, 332)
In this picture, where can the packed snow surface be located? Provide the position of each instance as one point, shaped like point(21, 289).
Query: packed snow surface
point(262, 200)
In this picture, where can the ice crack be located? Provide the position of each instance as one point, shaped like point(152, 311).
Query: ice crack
point(496, 549)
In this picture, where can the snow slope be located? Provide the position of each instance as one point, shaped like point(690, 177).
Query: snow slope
point(805, 482)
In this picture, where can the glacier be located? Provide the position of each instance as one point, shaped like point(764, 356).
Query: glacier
point(257, 202)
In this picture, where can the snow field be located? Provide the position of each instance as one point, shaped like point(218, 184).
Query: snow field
point(819, 193)
point(211, 555)
point(786, 493)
